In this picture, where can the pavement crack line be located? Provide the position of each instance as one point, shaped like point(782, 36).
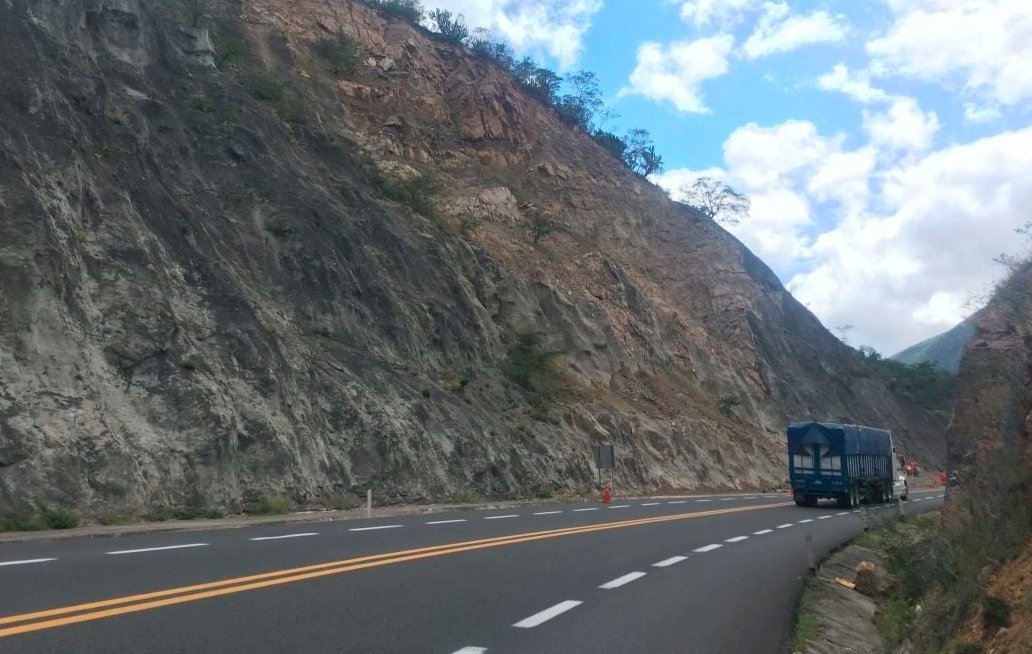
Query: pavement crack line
point(86, 612)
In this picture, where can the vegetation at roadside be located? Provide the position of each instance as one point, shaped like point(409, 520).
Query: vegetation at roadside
point(36, 519)
point(807, 628)
point(270, 505)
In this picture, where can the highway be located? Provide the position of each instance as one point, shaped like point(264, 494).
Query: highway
point(701, 574)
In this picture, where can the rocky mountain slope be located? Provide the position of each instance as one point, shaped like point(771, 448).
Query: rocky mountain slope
point(943, 350)
point(978, 571)
point(229, 270)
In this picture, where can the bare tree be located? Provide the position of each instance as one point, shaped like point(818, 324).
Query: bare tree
point(716, 200)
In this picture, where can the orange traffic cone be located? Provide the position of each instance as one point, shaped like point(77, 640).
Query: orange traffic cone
point(607, 495)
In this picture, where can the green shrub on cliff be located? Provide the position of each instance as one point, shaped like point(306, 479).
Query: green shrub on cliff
point(536, 371)
point(409, 9)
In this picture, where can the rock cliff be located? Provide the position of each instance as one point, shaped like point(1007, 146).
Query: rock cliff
point(229, 270)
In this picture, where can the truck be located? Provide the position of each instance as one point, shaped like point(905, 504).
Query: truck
point(848, 463)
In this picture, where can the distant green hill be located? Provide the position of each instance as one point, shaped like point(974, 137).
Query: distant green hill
point(943, 350)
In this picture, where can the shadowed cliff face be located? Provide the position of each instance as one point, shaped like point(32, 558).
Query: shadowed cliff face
point(208, 294)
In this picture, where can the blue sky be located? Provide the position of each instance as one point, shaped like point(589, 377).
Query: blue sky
point(886, 144)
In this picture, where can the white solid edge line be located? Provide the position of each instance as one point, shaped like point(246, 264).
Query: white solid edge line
point(547, 512)
point(650, 503)
point(620, 506)
point(736, 539)
point(159, 549)
point(470, 650)
point(622, 581)
point(785, 526)
point(377, 527)
point(593, 508)
point(762, 532)
point(807, 520)
point(682, 501)
point(445, 522)
point(669, 562)
point(499, 517)
point(707, 548)
point(26, 561)
point(547, 614)
point(307, 533)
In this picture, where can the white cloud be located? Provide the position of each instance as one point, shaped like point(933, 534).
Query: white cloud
point(895, 247)
point(903, 127)
point(844, 177)
point(857, 85)
point(982, 46)
point(764, 157)
point(778, 31)
point(974, 113)
point(702, 13)
point(556, 27)
point(676, 71)
point(906, 274)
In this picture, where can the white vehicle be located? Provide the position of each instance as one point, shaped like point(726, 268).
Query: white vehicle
point(900, 487)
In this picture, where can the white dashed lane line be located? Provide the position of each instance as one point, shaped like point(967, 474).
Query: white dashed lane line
point(762, 532)
point(445, 522)
point(620, 506)
point(707, 548)
point(500, 517)
point(470, 650)
point(736, 539)
point(547, 512)
point(547, 614)
point(703, 500)
point(593, 508)
point(785, 526)
point(650, 503)
point(825, 517)
point(665, 563)
point(802, 522)
point(25, 561)
point(728, 499)
point(307, 533)
point(842, 513)
point(377, 527)
point(678, 502)
point(159, 549)
point(622, 581)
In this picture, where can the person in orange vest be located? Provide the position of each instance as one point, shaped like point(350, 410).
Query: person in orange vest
point(942, 478)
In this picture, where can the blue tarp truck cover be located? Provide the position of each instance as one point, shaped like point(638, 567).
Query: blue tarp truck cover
point(824, 458)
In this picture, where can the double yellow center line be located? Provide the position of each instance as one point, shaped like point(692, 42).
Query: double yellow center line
point(67, 615)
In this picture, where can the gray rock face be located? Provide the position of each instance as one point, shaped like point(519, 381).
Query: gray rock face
point(206, 294)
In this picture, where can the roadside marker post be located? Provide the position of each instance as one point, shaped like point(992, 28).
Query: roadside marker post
point(369, 503)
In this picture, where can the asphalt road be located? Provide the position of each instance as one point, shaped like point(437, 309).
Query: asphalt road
point(696, 574)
